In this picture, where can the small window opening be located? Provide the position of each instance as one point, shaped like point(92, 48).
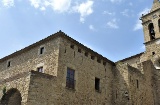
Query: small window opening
point(137, 83)
point(97, 84)
point(40, 69)
point(151, 31)
point(92, 57)
point(65, 50)
point(86, 54)
point(74, 54)
point(72, 46)
point(8, 63)
point(99, 60)
point(104, 63)
point(153, 53)
point(41, 50)
point(79, 50)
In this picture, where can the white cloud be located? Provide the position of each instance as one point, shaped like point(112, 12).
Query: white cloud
point(113, 24)
point(42, 8)
point(84, 9)
point(35, 3)
point(108, 13)
point(138, 24)
point(115, 1)
point(8, 3)
point(60, 5)
point(56, 5)
point(125, 12)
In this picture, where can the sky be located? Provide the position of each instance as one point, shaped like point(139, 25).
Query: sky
point(109, 27)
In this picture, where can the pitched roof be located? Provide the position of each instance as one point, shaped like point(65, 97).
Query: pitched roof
point(131, 57)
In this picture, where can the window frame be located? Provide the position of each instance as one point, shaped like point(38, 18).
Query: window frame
point(70, 78)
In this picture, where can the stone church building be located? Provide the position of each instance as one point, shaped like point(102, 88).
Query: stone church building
point(58, 70)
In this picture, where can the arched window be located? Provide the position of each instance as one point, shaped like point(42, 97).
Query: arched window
point(151, 31)
point(11, 97)
point(159, 24)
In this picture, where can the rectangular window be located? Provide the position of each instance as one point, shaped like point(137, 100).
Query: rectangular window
point(70, 82)
point(40, 69)
point(97, 84)
point(41, 50)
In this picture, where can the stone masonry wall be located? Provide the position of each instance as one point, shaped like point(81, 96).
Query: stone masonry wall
point(31, 60)
point(86, 69)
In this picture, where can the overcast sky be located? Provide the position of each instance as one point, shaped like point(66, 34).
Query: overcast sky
point(109, 27)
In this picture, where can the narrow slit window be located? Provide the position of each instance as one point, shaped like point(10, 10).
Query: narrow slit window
point(97, 84)
point(159, 24)
point(8, 63)
point(104, 63)
point(137, 82)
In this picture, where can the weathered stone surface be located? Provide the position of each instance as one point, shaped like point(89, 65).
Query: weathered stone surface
point(131, 81)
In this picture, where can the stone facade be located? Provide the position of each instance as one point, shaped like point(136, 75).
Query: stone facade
point(58, 70)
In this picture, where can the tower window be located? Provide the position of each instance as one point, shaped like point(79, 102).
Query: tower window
point(151, 31)
point(97, 84)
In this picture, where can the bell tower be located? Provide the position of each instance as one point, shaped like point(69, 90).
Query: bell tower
point(151, 29)
point(151, 23)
